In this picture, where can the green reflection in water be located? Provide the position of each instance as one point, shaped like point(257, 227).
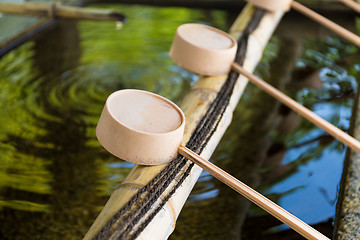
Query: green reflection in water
point(54, 175)
point(25, 172)
point(138, 53)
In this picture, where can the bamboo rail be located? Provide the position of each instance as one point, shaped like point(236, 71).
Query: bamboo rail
point(60, 11)
point(194, 105)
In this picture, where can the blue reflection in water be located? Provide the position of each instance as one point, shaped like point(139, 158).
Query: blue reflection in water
point(313, 182)
point(205, 195)
point(328, 111)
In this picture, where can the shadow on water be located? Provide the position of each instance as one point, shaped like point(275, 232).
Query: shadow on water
point(55, 177)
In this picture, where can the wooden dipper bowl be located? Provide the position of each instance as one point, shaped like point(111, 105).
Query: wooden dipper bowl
point(203, 50)
point(141, 127)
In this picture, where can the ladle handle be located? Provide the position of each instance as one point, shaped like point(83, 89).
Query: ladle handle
point(327, 23)
point(300, 109)
point(302, 228)
point(352, 4)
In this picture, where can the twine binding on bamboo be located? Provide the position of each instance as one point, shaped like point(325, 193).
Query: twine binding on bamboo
point(133, 218)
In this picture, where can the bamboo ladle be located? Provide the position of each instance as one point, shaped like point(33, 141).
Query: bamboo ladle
point(145, 128)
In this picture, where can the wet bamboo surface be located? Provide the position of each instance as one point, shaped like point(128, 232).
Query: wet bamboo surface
point(348, 213)
point(194, 105)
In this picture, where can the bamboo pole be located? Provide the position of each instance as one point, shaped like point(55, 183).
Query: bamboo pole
point(327, 23)
point(60, 11)
point(352, 4)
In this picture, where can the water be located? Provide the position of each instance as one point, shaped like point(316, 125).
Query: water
point(55, 177)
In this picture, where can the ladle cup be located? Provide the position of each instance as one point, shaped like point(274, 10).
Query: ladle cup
point(141, 127)
point(145, 128)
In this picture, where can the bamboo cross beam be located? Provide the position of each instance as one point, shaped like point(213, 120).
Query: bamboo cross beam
point(299, 226)
point(303, 111)
point(327, 23)
point(60, 11)
point(352, 4)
